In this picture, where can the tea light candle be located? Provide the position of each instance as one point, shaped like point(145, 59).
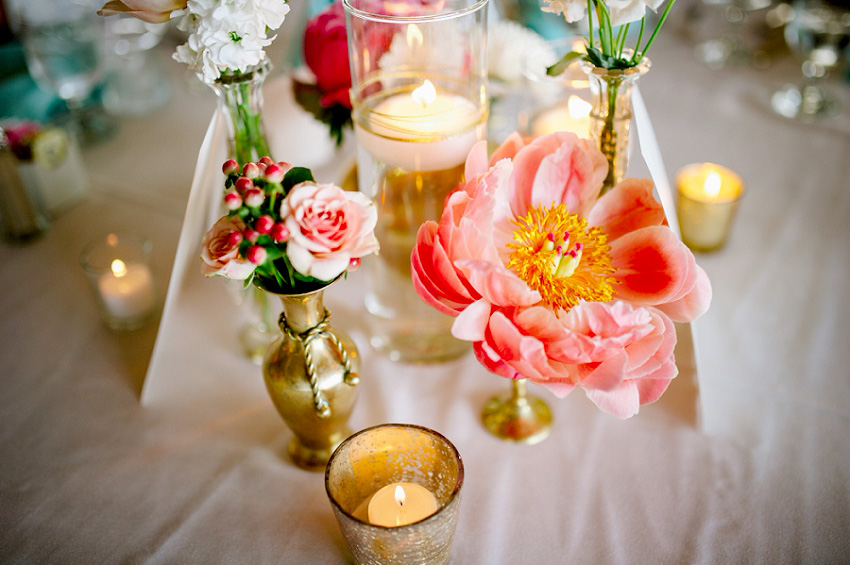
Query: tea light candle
point(127, 290)
point(421, 130)
point(708, 199)
point(572, 116)
point(399, 504)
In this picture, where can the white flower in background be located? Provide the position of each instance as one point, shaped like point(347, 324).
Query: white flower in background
point(573, 10)
point(227, 35)
point(622, 11)
point(509, 43)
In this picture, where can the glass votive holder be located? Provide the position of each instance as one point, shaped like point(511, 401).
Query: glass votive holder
point(559, 103)
point(118, 268)
point(396, 474)
point(708, 199)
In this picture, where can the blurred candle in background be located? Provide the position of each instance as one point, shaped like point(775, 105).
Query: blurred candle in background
point(708, 199)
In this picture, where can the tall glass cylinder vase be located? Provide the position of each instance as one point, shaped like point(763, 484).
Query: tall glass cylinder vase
point(240, 102)
point(419, 105)
point(611, 116)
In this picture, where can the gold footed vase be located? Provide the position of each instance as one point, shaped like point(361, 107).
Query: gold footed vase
point(311, 375)
point(517, 416)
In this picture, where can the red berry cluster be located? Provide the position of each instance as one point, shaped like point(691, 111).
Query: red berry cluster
point(253, 194)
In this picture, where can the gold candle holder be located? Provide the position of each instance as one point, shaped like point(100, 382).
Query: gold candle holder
point(385, 455)
point(708, 200)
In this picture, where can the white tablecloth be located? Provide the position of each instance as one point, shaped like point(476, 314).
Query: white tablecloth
point(89, 475)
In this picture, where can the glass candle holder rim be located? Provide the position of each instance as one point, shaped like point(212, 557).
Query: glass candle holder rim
point(90, 262)
point(455, 491)
point(692, 168)
point(389, 18)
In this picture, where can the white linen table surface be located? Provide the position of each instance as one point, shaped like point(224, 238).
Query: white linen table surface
point(89, 475)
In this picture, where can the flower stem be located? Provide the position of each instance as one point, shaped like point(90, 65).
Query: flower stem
point(655, 31)
point(640, 37)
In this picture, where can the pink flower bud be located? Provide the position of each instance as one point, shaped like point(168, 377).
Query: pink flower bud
point(267, 161)
point(261, 169)
point(232, 200)
point(251, 170)
point(230, 166)
point(273, 173)
point(256, 255)
point(244, 183)
point(254, 197)
point(264, 224)
point(354, 264)
point(284, 166)
point(234, 238)
point(279, 233)
point(251, 235)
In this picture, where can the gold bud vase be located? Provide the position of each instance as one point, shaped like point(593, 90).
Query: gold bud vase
point(311, 375)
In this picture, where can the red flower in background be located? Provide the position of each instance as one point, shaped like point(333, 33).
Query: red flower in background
point(326, 53)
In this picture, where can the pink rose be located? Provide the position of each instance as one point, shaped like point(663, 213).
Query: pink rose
point(152, 11)
point(328, 227)
point(326, 53)
point(220, 250)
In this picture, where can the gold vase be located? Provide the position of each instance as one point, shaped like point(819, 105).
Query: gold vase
point(311, 375)
point(517, 416)
point(611, 116)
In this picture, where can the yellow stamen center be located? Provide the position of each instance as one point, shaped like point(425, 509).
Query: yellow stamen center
point(558, 255)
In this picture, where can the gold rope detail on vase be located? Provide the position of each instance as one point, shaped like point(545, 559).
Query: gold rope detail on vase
point(320, 330)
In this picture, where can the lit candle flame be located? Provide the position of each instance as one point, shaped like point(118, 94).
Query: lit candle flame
point(399, 495)
point(119, 269)
point(425, 94)
point(414, 36)
point(712, 184)
point(579, 108)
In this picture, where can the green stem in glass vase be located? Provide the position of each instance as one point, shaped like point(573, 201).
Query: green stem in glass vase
point(241, 97)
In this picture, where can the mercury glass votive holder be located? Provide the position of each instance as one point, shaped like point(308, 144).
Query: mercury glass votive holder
point(118, 267)
point(708, 200)
point(419, 104)
point(395, 453)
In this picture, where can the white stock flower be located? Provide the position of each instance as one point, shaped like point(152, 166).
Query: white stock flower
point(573, 10)
point(227, 34)
point(622, 11)
point(508, 45)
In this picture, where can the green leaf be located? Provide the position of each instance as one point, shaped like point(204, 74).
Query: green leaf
point(335, 117)
point(562, 65)
point(295, 176)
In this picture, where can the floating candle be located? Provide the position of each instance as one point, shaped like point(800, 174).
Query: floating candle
point(421, 130)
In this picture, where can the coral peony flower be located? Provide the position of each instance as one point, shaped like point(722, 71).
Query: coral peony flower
point(328, 227)
point(326, 53)
point(552, 282)
point(220, 250)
